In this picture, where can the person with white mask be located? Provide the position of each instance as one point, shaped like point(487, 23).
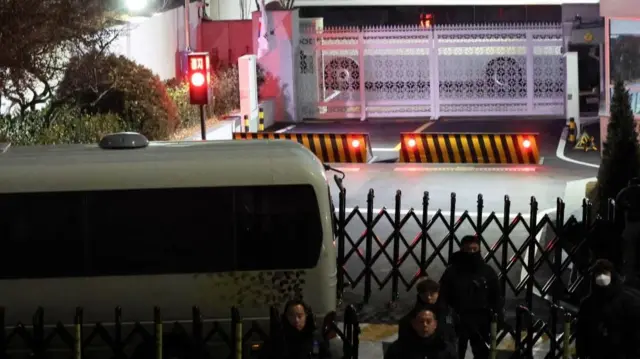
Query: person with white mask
point(609, 318)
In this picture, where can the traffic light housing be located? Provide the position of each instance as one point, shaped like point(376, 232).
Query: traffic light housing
point(199, 77)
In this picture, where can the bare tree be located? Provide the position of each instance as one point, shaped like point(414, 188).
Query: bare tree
point(39, 36)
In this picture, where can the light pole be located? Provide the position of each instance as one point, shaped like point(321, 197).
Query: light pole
point(187, 39)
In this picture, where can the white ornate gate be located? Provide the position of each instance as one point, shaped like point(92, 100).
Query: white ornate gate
point(480, 70)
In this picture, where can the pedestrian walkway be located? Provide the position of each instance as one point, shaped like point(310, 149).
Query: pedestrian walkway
point(375, 338)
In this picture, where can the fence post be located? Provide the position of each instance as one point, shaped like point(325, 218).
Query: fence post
point(397, 224)
point(38, 334)
point(505, 244)
point(518, 332)
point(558, 287)
point(157, 321)
point(494, 336)
point(236, 333)
point(3, 334)
point(196, 323)
point(118, 345)
point(368, 247)
point(553, 324)
point(424, 227)
point(342, 218)
point(531, 250)
point(479, 217)
point(566, 338)
point(77, 337)
point(452, 222)
point(352, 334)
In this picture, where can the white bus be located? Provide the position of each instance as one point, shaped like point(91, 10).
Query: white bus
point(174, 224)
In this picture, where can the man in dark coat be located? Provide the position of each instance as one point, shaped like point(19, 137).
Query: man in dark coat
point(471, 288)
point(608, 320)
point(429, 293)
point(423, 340)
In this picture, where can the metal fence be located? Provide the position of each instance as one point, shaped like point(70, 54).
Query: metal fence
point(540, 258)
point(194, 339)
point(460, 70)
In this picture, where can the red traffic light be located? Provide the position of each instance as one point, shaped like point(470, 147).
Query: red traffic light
point(526, 144)
point(411, 143)
point(197, 79)
point(355, 143)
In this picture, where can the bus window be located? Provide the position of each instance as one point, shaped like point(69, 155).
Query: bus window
point(159, 231)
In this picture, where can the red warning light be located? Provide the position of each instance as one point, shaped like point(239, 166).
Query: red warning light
point(411, 143)
point(197, 79)
point(526, 143)
point(355, 143)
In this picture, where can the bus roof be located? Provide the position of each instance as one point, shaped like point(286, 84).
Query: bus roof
point(159, 165)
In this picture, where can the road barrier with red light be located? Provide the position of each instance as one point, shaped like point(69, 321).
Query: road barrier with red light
point(331, 148)
point(477, 148)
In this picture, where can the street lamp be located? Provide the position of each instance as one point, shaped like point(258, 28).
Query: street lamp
point(136, 5)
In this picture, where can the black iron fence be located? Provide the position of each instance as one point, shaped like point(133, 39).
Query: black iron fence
point(195, 339)
point(542, 271)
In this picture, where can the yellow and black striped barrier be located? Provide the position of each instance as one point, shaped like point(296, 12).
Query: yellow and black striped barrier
point(329, 147)
point(245, 123)
point(261, 120)
point(477, 148)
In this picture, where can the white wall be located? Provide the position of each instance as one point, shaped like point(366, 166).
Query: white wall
point(230, 9)
point(154, 41)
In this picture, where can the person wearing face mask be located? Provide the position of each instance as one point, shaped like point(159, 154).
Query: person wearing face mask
point(471, 288)
point(424, 340)
point(429, 294)
point(608, 318)
point(297, 338)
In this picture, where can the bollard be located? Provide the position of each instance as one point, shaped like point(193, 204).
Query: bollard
point(566, 350)
point(246, 123)
point(157, 320)
point(236, 322)
point(261, 120)
point(493, 354)
point(572, 130)
point(77, 338)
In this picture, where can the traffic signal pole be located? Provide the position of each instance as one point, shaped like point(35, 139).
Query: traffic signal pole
point(203, 125)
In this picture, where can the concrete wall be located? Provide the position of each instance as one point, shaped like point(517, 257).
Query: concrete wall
point(620, 8)
point(225, 41)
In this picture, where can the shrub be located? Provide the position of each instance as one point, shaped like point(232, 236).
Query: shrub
point(621, 151)
point(226, 91)
point(179, 93)
point(103, 84)
point(66, 125)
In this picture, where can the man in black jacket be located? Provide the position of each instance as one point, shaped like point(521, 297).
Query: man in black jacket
point(423, 340)
point(429, 293)
point(471, 288)
point(608, 318)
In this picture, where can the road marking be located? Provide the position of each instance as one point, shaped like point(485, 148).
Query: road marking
point(423, 127)
point(286, 129)
point(373, 159)
point(560, 151)
point(464, 169)
point(457, 214)
point(348, 169)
